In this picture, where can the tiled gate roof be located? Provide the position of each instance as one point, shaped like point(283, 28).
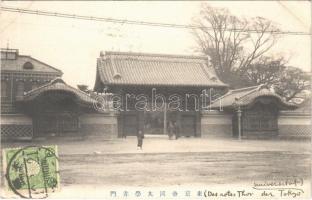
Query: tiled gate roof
point(58, 85)
point(119, 68)
point(246, 96)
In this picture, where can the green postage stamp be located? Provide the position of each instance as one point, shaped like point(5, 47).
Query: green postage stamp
point(31, 172)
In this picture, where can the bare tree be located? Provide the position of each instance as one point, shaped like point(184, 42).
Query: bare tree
point(232, 43)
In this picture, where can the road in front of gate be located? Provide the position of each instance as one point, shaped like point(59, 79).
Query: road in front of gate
point(183, 162)
point(167, 169)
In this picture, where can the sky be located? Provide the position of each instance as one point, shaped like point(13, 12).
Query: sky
point(73, 45)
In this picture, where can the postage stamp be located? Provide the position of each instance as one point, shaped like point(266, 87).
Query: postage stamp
point(32, 171)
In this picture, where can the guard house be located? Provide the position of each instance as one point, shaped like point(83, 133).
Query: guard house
point(36, 102)
point(149, 88)
point(19, 74)
point(55, 108)
point(254, 111)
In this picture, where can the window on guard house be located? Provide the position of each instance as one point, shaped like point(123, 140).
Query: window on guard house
point(4, 86)
point(20, 89)
point(35, 85)
point(28, 65)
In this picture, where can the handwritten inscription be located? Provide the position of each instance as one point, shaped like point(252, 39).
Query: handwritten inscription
point(265, 193)
point(293, 182)
point(286, 188)
point(238, 193)
point(291, 193)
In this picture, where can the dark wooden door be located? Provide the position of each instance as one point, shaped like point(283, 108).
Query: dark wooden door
point(260, 121)
point(234, 125)
point(188, 125)
point(130, 124)
point(154, 123)
point(56, 125)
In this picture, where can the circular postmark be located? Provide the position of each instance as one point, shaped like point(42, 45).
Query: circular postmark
point(32, 171)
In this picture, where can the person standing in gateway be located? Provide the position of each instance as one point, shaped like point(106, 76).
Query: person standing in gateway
point(140, 137)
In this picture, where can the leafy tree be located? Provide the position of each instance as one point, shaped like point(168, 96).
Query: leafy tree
point(292, 81)
point(286, 80)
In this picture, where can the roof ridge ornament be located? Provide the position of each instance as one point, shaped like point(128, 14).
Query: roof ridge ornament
point(57, 80)
point(102, 55)
point(213, 78)
point(264, 85)
point(116, 74)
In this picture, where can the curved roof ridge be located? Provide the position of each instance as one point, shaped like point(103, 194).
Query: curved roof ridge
point(123, 53)
point(42, 86)
point(251, 88)
point(249, 96)
point(247, 88)
point(49, 86)
point(270, 93)
point(256, 88)
point(116, 74)
point(99, 66)
point(225, 95)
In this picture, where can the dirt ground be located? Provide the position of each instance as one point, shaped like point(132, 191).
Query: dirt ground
point(167, 169)
point(163, 145)
point(188, 161)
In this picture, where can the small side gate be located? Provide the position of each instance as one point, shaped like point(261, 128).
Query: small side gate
point(56, 124)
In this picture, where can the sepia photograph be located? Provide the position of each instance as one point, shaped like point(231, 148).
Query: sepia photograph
point(155, 99)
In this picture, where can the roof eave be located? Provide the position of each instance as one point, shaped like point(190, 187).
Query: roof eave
point(162, 85)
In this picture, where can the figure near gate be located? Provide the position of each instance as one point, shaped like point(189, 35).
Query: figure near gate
point(173, 131)
point(140, 137)
point(176, 130)
point(170, 129)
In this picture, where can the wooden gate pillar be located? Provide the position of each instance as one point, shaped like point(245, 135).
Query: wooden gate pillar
point(239, 127)
point(165, 119)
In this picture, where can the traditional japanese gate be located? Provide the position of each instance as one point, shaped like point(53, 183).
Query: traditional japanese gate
point(131, 124)
point(255, 111)
point(158, 123)
point(55, 108)
point(258, 121)
point(188, 125)
point(57, 114)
